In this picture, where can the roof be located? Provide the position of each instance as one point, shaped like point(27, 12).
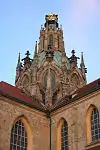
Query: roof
point(57, 58)
point(88, 88)
point(81, 92)
point(18, 95)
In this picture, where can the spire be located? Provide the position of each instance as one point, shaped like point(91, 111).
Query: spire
point(82, 59)
point(35, 57)
point(82, 65)
point(18, 68)
point(35, 52)
point(18, 64)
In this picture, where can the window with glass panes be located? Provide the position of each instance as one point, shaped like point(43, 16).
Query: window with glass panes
point(95, 124)
point(18, 137)
point(64, 136)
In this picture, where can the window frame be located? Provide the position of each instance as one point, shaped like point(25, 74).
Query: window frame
point(88, 124)
point(19, 139)
point(95, 124)
point(59, 127)
point(64, 136)
point(27, 128)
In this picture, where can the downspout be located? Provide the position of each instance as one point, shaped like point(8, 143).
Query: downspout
point(50, 134)
point(49, 116)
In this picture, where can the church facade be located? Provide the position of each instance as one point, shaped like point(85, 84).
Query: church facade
point(51, 106)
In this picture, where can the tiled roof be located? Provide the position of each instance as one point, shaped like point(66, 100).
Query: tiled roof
point(18, 95)
point(81, 92)
point(57, 58)
point(87, 88)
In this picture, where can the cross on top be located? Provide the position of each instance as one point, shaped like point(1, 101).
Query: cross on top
point(27, 54)
point(73, 52)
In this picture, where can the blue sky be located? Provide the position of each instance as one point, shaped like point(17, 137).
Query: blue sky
point(20, 22)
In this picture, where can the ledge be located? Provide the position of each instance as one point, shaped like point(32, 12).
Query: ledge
point(94, 145)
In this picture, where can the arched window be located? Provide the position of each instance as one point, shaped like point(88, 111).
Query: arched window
point(18, 137)
point(43, 97)
point(95, 124)
point(64, 136)
point(52, 77)
point(54, 98)
point(51, 40)
point(52, 80)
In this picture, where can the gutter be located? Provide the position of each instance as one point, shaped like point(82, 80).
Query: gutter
point(22, 102)
point(76, 98)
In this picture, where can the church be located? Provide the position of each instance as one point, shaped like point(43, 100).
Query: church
point(51, 106)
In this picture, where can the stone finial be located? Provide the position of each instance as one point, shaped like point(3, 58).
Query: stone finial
point(41, 27)
point(61, 27)
point(73, 59)
point(27, 54)
point(27, 60)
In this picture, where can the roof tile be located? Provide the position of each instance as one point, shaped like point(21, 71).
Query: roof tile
point(14, 92)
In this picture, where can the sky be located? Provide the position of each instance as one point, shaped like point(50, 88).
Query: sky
point(20, 22)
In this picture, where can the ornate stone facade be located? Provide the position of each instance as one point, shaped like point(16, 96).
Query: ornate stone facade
point(51, 75)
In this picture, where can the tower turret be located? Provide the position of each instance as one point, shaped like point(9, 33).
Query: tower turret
point(51, 35)
point(51, 21)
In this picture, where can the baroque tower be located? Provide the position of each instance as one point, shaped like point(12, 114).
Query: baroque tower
point(50, 75)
